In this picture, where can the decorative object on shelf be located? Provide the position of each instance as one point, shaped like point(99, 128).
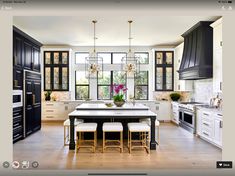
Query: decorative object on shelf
point(94, 64)
point(48, 95)
point(119, 92)
point(53, 96)
point(130, 63)
point(109, 104)
point(175, 96)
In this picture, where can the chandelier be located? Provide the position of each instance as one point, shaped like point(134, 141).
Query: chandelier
point(130, 63)
point(93, 63)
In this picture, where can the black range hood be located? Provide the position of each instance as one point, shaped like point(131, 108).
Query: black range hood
point(197, 59)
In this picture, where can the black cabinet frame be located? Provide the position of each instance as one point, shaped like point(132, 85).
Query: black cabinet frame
point(52, 65)
point(164, 65)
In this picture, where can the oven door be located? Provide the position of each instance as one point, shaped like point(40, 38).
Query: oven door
point(189, 118)
point(181, 115)
point(17, 98)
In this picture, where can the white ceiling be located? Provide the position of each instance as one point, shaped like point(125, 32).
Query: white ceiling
point(111, 30)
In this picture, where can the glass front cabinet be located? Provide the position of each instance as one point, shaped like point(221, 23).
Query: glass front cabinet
point(56, 70)
point(164, 69)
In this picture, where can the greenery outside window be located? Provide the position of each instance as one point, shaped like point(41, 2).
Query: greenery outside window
point(104, 85)
point(81, 86)
point(144, 57)
point(141, 86)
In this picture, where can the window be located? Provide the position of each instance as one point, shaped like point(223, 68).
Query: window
point(112, 57)
point(164, 67)
point(81, 86)
point(106, 57)
point(104, 91)
point(141, 86)
point(143, 57)
point(80, 57)
point(117, 58)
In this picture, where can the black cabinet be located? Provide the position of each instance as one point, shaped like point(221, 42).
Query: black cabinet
point(17, 124)
point(164, 71)
point(32, 102)
point(36, 59)
point(26, 51)
point(17, 78)
point(17, 50)
point(56, 70)
point(27, 55)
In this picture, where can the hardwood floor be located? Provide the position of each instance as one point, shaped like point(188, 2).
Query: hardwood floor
point(178, 149)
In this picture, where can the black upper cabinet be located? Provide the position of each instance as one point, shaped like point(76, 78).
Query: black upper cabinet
point(36, 59)
point(56, 70)
point(26, 51)
point(27, 56)
point(17, 50)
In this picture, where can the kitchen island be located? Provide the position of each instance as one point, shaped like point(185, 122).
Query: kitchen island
point(100, 111)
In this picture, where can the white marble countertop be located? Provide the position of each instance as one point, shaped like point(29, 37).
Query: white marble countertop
point(113, 113)
point(102, 106)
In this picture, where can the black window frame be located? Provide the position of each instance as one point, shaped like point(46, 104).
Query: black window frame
point(147, 85)
point(111, 83)
point(81, 85)
point(112, 53)
point(164, 65)
point(52, 66)
point(139, 52)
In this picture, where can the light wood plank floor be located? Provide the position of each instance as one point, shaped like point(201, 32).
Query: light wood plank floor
point(178, 149)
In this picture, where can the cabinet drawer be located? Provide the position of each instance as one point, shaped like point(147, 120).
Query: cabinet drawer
point(206, 116)
point(207, 123)
point(207, 133)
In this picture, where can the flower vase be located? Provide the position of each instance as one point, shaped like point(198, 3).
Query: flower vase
point(119, 103)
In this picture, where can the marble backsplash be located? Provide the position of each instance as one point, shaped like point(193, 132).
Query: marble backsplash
point(58, 96)
point(185, 96)
point(203, 91)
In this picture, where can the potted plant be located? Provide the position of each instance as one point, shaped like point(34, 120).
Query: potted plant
point(47, 96)
point(119, 91)
point(175, 96)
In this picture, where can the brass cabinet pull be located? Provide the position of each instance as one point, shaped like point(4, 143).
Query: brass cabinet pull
point(33, 96)
point(15, 60)
point(15, 83)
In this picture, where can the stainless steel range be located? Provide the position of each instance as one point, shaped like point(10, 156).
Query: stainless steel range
point(187, 115)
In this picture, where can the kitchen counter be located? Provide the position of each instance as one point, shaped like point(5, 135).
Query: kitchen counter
point(214, 110)
point(102, 106)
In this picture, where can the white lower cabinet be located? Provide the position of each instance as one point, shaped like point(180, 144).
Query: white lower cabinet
point(57, 110)
point(175, 112)
point(209, 126)
point(218, 125)
point(161, 108)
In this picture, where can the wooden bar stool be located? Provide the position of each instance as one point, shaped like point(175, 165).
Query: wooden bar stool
point(67, 129)
point(157, 126)
point(141, 128)
point(86, 128)
point(111, 127)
